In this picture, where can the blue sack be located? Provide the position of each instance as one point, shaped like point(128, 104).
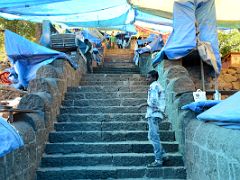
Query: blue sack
point(9, 138)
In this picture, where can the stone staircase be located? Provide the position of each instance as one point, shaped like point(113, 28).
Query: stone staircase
point(101, 133)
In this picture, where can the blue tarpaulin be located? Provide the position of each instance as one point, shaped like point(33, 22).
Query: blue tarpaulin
point(226, 111)
point(93, 39)
point(91, 13)
point(27, 57)
point(183, 38)
point(145, 17)
point(155, 45)
point(149, 39)
point(9, 138)
point(199, 107)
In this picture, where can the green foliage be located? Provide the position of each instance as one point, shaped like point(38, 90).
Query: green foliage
point(229, 42)
point(23, 28)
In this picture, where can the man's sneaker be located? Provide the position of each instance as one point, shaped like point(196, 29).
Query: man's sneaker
point(155, 164)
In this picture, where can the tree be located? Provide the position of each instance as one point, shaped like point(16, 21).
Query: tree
point(229, 41)
point(23, 28)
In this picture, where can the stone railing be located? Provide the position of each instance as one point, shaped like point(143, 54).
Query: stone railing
point(45, 94)
point(210, 151)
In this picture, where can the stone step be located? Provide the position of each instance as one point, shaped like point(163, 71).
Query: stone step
point(123, 69)
point(109, 172)
point(102, 77)
point(108, 147)
point(116, 159)
point(105, 136)
point(107, 88)
point(105, 102)
point(107, 126)
point(113, 69)
point(114, 59)
point(119, 65)
point(114, 83)
point(113, 72)
point(114, 76)
point(103, 117)
point(100, 109)
point(105, 95)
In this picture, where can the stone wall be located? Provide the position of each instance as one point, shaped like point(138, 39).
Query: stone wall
point(45, 94)
point(229, 78)
point(210, 152)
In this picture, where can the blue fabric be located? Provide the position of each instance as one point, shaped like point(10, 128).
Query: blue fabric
point(145, 17)
point(155, 45)
point(200, 106)
point(126, 28)
point(183, 38)
point(9, 138)
point(149, 39)
point(90, 37)
point(24, 3)
point(207, 26)
point(226, 111)
point(27, 57)
point(71, 12)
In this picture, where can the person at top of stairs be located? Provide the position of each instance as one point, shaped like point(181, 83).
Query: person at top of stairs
point(88, 54)
point(155, 113)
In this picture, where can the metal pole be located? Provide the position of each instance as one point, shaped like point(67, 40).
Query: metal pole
point(202, 75)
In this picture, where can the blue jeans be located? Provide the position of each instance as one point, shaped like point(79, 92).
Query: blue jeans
point(154, 137)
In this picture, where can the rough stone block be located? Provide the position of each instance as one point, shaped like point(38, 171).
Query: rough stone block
point(223, 168)
point(48, 85)
point(236, 85)
point(10, 165)
point(48, 71)
point(3, 168)
point(41, 137)
point(36, 120)
point(180, 85)
point(211, 166)
point(191, 129)
point(184, 99)
point(26, 131)
point(229, 78)
point(36, 101)
point(32, 152)
point(201, 133)
point(172, 72)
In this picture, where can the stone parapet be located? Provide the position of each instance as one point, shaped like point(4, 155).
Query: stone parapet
point(45, 94)
point(212, 152)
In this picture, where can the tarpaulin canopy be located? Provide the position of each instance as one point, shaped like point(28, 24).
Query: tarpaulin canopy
point(183, 38)
point(27, 57)
point(145, 17)
point(91, 13)
point(227, 11)
point(127, 28)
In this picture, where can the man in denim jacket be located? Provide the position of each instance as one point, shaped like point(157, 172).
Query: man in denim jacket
point(155, 113)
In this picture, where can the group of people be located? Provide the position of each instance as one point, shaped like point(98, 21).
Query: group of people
point(119, 40)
